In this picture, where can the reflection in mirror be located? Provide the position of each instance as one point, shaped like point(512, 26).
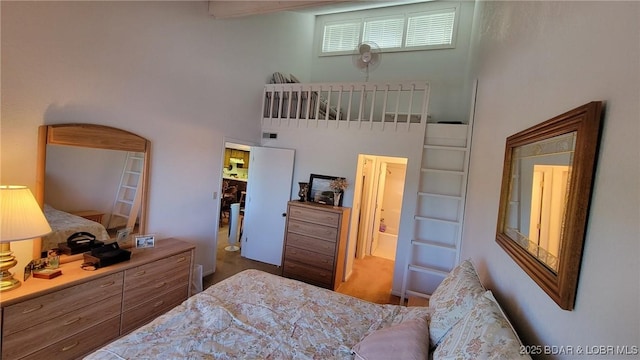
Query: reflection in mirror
point(537, 198)
point(92, 179)
point(544, 200)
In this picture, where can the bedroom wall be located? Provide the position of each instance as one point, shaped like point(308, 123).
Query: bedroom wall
point(535, 60)
point(167, 71)
point(314, 156)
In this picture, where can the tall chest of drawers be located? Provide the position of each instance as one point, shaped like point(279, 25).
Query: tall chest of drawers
point(315, 243)
point(73, 314)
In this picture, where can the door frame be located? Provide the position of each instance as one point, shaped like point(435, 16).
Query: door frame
point(217, 195)
point(362, 211)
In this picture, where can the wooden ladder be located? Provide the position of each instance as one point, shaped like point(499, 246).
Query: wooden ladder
point(126, 204)
point(439, 215)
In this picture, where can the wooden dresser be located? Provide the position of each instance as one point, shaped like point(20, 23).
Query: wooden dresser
point(315, 243)
point(79, 311)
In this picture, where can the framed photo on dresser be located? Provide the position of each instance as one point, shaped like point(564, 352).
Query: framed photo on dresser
point(320, 189)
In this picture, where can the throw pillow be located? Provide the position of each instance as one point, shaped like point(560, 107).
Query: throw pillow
point(484, 333)
point(408, 340)
point(453, 299)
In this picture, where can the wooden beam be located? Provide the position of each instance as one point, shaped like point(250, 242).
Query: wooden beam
point(231, 9)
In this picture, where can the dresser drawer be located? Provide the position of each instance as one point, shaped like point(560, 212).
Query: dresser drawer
point(314, 230)
point(313, 244)
point(35, 311)
point(78, 345)
point(309, 258)
point(49, 332)
point(306, 273)
point(149, 280)
point(145, 312)
point(316, 216)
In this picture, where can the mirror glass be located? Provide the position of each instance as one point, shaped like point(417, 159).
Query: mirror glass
point(544, 199)
point(92, 179)
point(539, 184)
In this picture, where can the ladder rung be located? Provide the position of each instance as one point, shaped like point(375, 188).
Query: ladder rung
point(446, 147)
point(445, 196)
point(418, 294)
point(433, 243)
point(129, 202)
point(456, 172)
point(129, 187)
point(423, 269)
point(120, 215)
point(454, 222)
point(132, 172)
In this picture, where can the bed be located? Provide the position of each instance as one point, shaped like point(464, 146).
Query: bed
point(256, 315)
point(64, 224)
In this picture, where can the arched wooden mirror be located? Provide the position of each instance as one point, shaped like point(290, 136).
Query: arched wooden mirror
point(544, 201)
point(98, 173)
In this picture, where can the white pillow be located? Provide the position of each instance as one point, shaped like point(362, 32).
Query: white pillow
point(484, 333)
point(489, 295)
point(408, 340)
point(453, 299)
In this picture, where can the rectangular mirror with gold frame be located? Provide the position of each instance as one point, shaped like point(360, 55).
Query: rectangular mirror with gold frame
point(544, 200)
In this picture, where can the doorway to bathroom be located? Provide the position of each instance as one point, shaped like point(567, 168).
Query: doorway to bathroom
point(381, 193)
point(377, 205)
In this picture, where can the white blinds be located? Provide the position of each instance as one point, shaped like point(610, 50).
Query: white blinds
point(429, 29)
point(401, 31)
point(344, 36)
point(386, 33)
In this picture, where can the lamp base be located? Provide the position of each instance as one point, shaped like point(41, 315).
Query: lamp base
point(7, 261)
point(7, 282)
point(232, 248)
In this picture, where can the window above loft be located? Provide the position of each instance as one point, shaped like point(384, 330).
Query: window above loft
point(400, 28)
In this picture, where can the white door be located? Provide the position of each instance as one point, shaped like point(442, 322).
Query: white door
point(268, 191)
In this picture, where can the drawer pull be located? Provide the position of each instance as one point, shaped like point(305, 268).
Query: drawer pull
point(69, 347)
point(69, 322)
point(32, 309)
point(107, 284)
point(181, 259)
point(161, 284)
point(140, 273)
point(158, 303)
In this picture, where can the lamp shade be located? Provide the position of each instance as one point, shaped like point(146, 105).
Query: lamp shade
point(20, 215)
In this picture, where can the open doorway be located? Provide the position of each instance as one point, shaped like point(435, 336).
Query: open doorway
point(235, 170)
point(377, 206)
point(382, 190)
point(255, 188)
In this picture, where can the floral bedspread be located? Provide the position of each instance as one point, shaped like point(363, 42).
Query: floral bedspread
point(256, 315)
point(64, 225)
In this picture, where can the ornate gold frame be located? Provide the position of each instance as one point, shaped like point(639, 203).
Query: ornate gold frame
point(586, 122)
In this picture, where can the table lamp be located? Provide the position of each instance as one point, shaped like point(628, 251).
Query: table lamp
point(20, 219)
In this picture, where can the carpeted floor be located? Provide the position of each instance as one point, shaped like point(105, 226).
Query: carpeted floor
point(371, 278)
point(230, 262)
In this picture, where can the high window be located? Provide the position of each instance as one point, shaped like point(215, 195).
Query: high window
point(400, 29)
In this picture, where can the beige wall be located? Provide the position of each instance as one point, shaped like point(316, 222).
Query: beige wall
point(535, 60)
point(166, 71)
